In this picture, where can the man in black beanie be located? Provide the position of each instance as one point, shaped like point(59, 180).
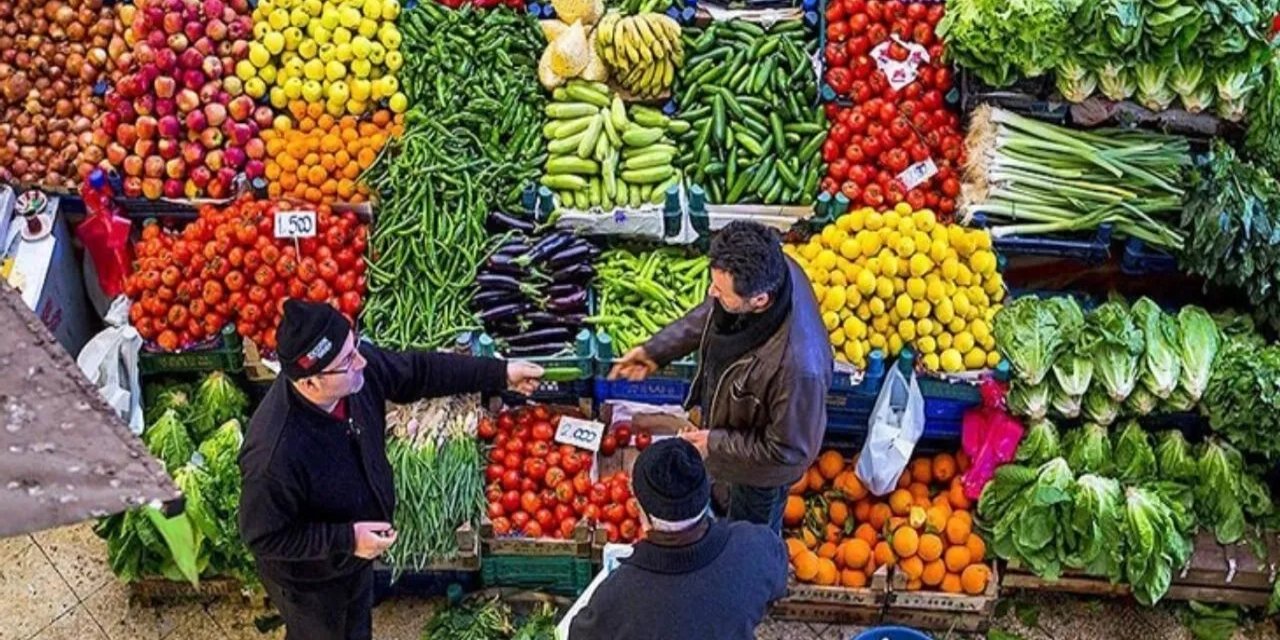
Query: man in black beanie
point(318, 497)
point(692, 576)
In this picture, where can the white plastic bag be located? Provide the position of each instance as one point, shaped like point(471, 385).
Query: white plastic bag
point(895, 426)
point(110, 361)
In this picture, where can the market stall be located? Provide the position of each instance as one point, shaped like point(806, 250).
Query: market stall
point(990, 208)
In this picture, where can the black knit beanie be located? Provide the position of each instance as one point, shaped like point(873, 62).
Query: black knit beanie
point(670, 481)
point(310, 336)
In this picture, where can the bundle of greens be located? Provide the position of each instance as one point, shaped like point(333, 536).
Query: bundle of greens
point(217, 400)
point(1160, 365)
point(1231, 219)
point(1174, 459)
point(1243, 397)
point(1038, 178)
point(1039, 445)
point(1135, 458)
point(1026, 509)
point(168, 439)
point(1262, 135)
point(1096, 527)
point(1155, 544)
point(1198, 343)
point(1003, 40)
point(490, 619)
point(1073, 370)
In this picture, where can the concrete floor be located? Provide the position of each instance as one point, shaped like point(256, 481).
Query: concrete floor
point(55, 585)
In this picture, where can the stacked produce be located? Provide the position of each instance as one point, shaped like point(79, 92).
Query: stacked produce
point(537, 489)
point(436, 463)
point(889, 280)
point(178, 125)
point(226, 267)
point(749, 93)
point(1042, 178)
point(642, 52)
point(318, 158)
point(341, 53)
point(471, 143)
point(571, 51)
point(637, 294)
point(1205, 54)
point(1121, 506)
point(534, 289)
point(195, 431)
point(1242, 401)
point(598, 157)
point(51, 56)
point(839, 534)
point(898, 144)
point(1114, 360)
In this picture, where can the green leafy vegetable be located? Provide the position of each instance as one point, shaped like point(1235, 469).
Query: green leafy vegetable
point(1119, 347)
point(1029, 401)
point(1141, 402)
point(1198, 344)
point(1030, 335)
point(1098, 407)
point(1174, 458)
point(1243, 397)
point(1027, 528)
point(217, 400)
point(1039, 444)
point(1160, 362)
point(1073, 370)
point(1088, 450)
point(1135, 460)
point(1002, 40)
point(1217, 491)
point(1096, 526)
point(1155, 545)
point(169, 440)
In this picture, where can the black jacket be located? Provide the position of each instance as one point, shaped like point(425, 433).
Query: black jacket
point(307, 476)
point(717, 588)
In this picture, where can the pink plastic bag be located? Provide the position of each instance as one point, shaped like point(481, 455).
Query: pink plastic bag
point(989, 436)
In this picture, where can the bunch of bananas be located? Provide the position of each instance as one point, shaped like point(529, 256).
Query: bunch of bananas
point(644, 51)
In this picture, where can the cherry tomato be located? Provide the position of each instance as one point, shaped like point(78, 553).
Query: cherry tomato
point(608, 445)
point(643, 440)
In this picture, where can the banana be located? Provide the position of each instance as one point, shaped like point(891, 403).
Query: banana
point(642, 28)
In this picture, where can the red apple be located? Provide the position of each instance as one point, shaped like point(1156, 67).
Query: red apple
point(144, 105)
point(226, 176)
point(256, 149)
point(190, 59)
point(168, 149)
point(216, 30)
point(166, 107)
point(193, 153)
point(209, 92)
point(214, 159)
point(158, 39)
point(165, 87)
point(188, 101)
point(101, 138)
point(234, 157)
point(152, 188)
point(173, 188)
point(145, 53)
point(196, 121)
point(241, 108)
point(263, 116)
point(254, 169)
point(133, 187)
point(144, 147)
point(147, 127)
point(204, 46)
point(153, 167)
point(239, 29)
point(178, 42)
point(127, 135)
point(211, 138)
point(211, 66)
point(166, 60)
point(201, 176)
point(215, 113)
point(117, 154)
point(194, 30)
point(214, 7)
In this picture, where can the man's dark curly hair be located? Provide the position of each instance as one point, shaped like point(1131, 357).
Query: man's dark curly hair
point(752, 254)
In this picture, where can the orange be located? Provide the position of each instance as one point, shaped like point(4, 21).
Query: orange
point(272, 171)
point(847, 483)
point(912, 567)
point(921, 470)
point(827, 572)
point(906, 542)
point(346, 189)
point(862, 510)
point(274, 190)
point(884, 554)
point(329, 187)
point(839, 512)
point(957, 558)
point(793, 513)
point(833, 533)
point(930, 547)
point(956, 494)
point(904, 480)
point(816, 481)
point(316, 175)
point(330, 143)
point(794, 548)
point(809, 537)
point(366, 157)
point(298, 109)
point(895, 522)
point(919, 491)
point(914, 585)
point(856, 553)
point(951, 583)
point(314, 195)
point(306, 124)
point(963, 462)
point(351, 171)
point(806, 566)
point(977, 548)
point(900, 502)
point(315, 109)
point(935, 518)
point(382, 117)
point(944, 467)
point(934, 572)
point(800, 486)
point(866, 533)
point(827, 550)
point(853, 578)
point(958, 529)
point(974, 579)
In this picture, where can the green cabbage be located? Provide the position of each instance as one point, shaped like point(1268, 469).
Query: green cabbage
point(1039, 444)
point(1096, 526)
point(1135, 459)
point(1028, 401)
point(1155, 546)
point(1118, 349)
point(1198, 342)
point(1029, 333)
point(1098, 407)
point(217, 400)
point(1174, 458)
point(1161, 365)
point(167, 439)
point(1088, 450)
point(1154, 91)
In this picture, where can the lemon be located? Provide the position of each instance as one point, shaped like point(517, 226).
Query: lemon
point(292, 38)
point(923, 243)
point(869, 241)
point(372, 9)
point(854, 328)
point(836, 337)
point(876, 307)
point(881, 323)
point(836, 278)
point(853, 351)
point(335, 71)
point(951, 361)
point(944, 341)
point(993, 359)
point(245, 70)
point(312, 90)
point(961, 302)
point(857, 219)
point(844, 222)
point(891, 219)
point(852, 296)
point(963, 341)
point(884, 288)
point(895, 344)
point(964, 277)
point(920, 264)
point(258, 54)
point(926, 344)
point(983, 262)
point(874, 222)
point(834, 299)
point(825, 261)
point(916, 288)
point(903, 306)
point(309, 48)
point(930, 361)
point(899, 285)
point(938, 249)
point(921, 310)
point(329, 19)
point(356, 107)
point(278, 99)
point(907, 329)
point(975, 359)
point(278, 20)
point(864, 310)
point(349, 17)
point(925, 327)
point(956, 325)
point(830, 320)
point(981, 239)
point(950, 269)
point(335, 109)
point(934, 289)
point(888, 263)
point(944, 311)
point(819, 276)
point(390, 9)
point(906, 226)
point(828, 236)
point(367, 28)
point(998, 294)
point(924, 220)
point(877, 341)
point(866, 282)
point(902, 209)
point(979, 329)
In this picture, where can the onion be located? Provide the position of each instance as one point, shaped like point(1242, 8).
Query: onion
point(64, 108)
point(75, 31)
point(63, 15)
point(56, 139)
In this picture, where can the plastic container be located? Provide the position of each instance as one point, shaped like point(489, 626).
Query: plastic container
point(1090, 250)
point(562, 575)
point(1140, 259)
point(668, 385)
point(892, 633)
point(224, 353)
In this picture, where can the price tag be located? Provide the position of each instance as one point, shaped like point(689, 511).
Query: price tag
point(295, 224)
point(916, 174)
point(899, 73)
point(584, 434)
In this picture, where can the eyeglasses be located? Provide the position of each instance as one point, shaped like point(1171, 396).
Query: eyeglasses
point(345, 366)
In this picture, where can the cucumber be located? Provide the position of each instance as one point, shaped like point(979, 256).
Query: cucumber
point(583, 93)
point(641, 136)
point(678, 127)
point(652, 175)
point(564, 182)
point(570, 110)
point(565, 145)
point(572, 165)
point(588, 143)
point(645, 161)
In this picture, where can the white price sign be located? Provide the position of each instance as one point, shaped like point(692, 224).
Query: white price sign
point(916, 174)
point(295, 224)
point(584, 434)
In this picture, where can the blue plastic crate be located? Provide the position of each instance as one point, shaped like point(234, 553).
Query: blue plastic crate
point(1140, 259)
point(1093, 249)
point(668, 385)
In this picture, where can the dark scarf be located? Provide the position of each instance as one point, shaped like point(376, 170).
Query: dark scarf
point(730, 336)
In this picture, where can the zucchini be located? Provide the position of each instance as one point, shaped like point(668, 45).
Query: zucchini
point(570, 110)
point(564, 182)
point(652, 175)
point(572, 165)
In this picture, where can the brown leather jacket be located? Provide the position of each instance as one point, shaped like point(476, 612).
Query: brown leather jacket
point(769, 409)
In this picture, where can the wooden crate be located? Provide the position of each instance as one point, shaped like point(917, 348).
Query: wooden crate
point(835, 605)
point(938, 611)
point(585, 537)
point(157, 591)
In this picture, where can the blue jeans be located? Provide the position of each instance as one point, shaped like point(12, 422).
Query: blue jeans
point(760, 505)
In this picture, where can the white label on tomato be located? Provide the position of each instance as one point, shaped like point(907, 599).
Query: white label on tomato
point(584, 434)
point(900, 73)
point(295, 224)
point(916, 174)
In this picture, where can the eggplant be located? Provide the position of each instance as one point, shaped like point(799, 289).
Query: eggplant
point(572, 302)
point(562, 290)
point(495, 298)
point(559, 335)
point(497, 222)
point(513, 247)
point(547, 246)
point(572, 254)
point(496, 314)
point(499, 281)
point(547, 319)
point(506, 264)
point(574, 273)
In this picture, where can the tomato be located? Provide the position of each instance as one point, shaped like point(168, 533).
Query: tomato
point(564, 491)
point(931, 100)
point(916, 199)
point(519, 519)
point(900, 129)
point(608, 445)
point(614, 513)
point(544, 517)
point(327, 268)
point(643, 439)
point(505, 421)
point(876, 34)
point(591, 513)
point(862, 68)
point(870, 147)
point(860, 176)
point(922, 34)
point(234, 281)
point(851, 190)
point(854, 153)
point(611, 532)
point(530, 502)
point(486, 430)
point(858, 46)
point(572, 463)
point(873, 196)
point(257, 295)
point(619, 492)
point(633, 508)
point(830, 150)
point(835, 55)
point(840, 79)
point(542, 431)
point(236, 257)
point(628, 529)
point(554, 476)
point(942, 80)
point(837, 31)
point(528, 484)
point(946, 206)
point(511, 501)
point(501, 526)
point(582, 484)
point(567, 525)
point(513, 461)
point(950, 187)
point(539, 412)
point(538, 448)
point(493, 472)
point(897, 160)
point(835, 12)
point(599, 494)
point(580, 503)
point(533, 529)
point(622, 432)
point(493, 493)
point(934, 14)
point(535, 469)
point(496, 510)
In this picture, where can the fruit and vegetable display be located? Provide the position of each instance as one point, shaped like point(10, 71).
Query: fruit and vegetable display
point(571, 52)
point(226, 267)
point(178, 124)
point(642, 51)
point(750, 94)
point(898, 140)
point(534, 291)
point(471, 143)
point(1036, 178)
point(204, 539)
point(1200, 56)
point(639, 293)
point(317, 158)
point(436, 462)
point(600, 154)
point(1114, 360)
point(539, 489)
point(885, 281)
point(343, 54)
point(1122, 505)
point(51, 56)
point(837, 533)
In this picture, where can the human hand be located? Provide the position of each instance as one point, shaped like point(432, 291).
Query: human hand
point(635, 366)
point(373, 538)
point(699, 439)
point(523, 377)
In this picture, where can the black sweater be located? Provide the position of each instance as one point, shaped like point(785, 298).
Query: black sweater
point(717, 588)
point(308, 476)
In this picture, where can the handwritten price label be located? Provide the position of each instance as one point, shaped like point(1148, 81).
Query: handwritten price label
point(584, 434)
point(916, 174)
point(295, 224)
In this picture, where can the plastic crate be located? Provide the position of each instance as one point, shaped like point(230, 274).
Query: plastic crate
point(1140, 259)
point(573, 388)
point(668, 385)
point(1028, 97)
point(224, 353)
point(1093, 249)
point(424, 584)
point(555, 574)
point(850, 402)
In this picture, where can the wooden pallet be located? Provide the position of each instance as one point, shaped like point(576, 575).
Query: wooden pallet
point(156, 591)
point(1224, 574)
point(835, 605)
point(939, 611)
